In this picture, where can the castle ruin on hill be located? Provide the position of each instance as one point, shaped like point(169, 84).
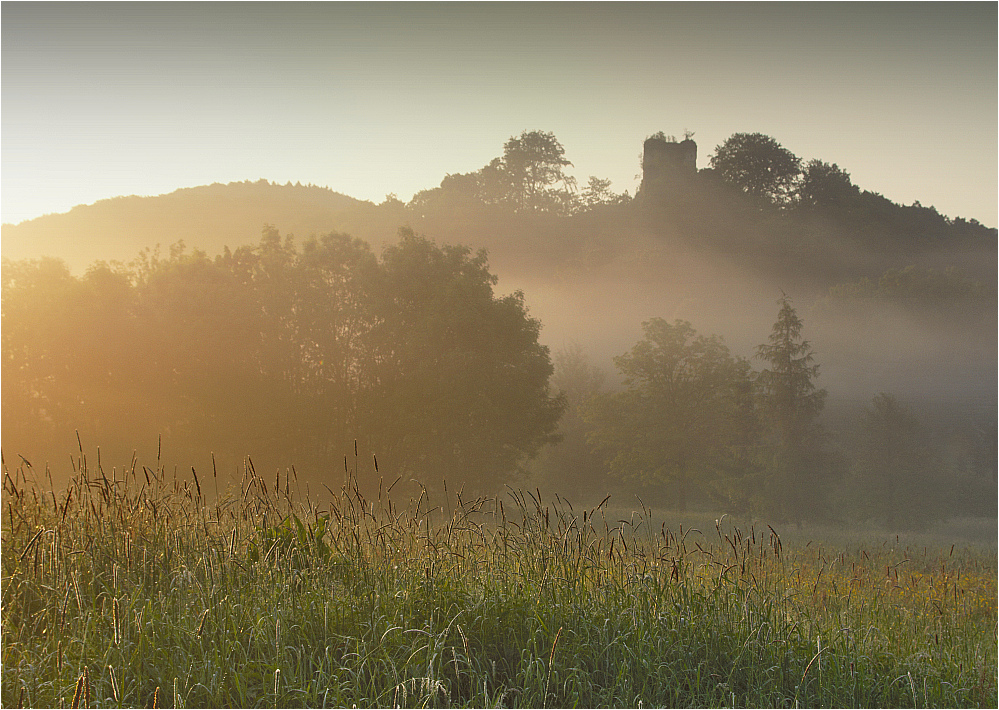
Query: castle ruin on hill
point(667, 165)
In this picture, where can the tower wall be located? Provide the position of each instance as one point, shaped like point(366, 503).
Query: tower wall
point(667, 165)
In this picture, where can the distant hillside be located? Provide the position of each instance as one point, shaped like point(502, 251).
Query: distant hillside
point(830, 232)
point(208, 218)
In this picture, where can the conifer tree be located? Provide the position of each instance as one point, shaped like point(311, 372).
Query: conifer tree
point(790, 404)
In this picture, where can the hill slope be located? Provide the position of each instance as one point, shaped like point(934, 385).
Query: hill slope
point(209, 218)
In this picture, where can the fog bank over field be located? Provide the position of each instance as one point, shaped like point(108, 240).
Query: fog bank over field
point(872, 347)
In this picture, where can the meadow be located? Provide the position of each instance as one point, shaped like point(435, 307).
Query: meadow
point(150, 588)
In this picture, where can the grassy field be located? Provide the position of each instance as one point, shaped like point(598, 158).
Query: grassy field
point(145, 589)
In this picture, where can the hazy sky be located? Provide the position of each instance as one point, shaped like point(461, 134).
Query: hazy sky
point(100, 100)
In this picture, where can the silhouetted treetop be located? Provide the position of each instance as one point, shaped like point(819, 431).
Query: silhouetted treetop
point(759, 166)
point(528, 179)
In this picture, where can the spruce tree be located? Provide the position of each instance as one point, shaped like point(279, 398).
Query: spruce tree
point(790, 404)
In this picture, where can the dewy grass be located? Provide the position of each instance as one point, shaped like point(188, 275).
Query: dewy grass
point(133, 590)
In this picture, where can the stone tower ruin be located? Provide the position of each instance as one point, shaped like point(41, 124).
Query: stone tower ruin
point(667, 165)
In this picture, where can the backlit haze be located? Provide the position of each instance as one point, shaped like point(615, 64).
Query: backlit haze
point(101, 100)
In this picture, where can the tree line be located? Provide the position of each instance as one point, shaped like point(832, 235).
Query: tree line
point(529, 178)
point(811, 227)
point(302, 354)
point(802, 223)
point(296, 354)
point(694, 419)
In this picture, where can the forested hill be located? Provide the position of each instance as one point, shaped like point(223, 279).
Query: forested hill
point(208, 217)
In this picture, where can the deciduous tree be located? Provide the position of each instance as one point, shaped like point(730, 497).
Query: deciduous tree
point(825, 186)
point(759, 166)
point(681, 414)
point(289, 352)
point(534, 163)
point(458, 385)
point(897, 470)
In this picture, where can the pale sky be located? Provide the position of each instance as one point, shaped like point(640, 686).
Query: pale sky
point(100, 100)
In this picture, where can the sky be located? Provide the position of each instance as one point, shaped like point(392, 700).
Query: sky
point(101, 100)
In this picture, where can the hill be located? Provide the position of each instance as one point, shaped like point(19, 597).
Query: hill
point(209, 218)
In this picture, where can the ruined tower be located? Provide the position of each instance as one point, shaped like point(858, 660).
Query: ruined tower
point(667, 166)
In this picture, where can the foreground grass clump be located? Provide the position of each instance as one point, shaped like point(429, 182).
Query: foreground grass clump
point(133, 589)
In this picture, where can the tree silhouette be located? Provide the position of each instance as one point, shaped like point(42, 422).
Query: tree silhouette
point(458, 385)
point(534, 163)
point(826, 186)
point(759, 166)
point(790, 404)
point(896, 470)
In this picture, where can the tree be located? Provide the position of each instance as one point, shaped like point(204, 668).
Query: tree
point(329, 314)
point(289, 353)
point(759, 166)
point(40, 336)
point(597, 192)
point(533, 163)
point(457, 384)
point(896, 468)
point(790, 404)
point(458, 192)
point(569, 466)
point(682, 413)
point(528, 178)
point(826, 186)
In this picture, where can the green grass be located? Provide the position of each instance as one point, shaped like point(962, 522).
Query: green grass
point(135, 590)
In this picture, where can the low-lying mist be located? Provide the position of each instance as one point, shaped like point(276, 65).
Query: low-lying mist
point(943, 352)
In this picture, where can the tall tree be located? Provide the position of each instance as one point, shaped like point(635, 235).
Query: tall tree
point(682, 414)
point(569, 466)
point(759, 166)
point(41, 313)
point(529, 178)
point(534, 163)
point(458, 385)
point(791, 403)
point(597, 192)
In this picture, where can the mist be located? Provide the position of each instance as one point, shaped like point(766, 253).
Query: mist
point(435, 354)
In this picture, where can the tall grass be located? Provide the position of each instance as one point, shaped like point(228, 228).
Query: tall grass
point(139, 588)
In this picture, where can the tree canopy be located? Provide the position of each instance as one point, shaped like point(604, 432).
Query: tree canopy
point(529, 178)
point(759, 166)
point(826, 187)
